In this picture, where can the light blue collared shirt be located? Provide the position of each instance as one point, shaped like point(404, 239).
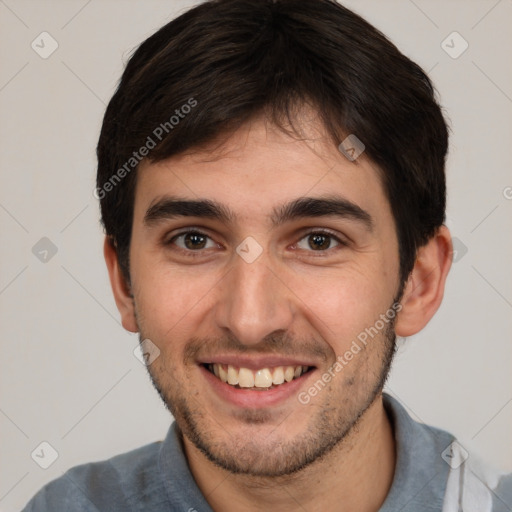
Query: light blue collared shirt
point(433, 474)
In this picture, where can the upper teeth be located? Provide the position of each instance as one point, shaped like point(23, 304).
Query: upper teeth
point(263, 378)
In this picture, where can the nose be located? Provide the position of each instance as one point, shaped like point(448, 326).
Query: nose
point(253, 301)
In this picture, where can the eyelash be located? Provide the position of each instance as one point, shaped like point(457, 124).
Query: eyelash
point(320, 253)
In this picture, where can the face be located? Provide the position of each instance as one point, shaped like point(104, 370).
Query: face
point(261, 262)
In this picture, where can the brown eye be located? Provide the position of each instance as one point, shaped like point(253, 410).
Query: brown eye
point(193, 241)
point(318, 242)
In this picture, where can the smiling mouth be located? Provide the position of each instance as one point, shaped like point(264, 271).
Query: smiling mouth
point(260, 380)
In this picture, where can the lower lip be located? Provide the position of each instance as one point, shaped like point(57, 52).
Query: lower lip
point(252, 398)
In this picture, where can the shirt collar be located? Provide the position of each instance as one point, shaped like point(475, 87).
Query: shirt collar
point(421, 473)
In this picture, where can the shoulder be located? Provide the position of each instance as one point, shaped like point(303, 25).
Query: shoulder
point(435, 472)
point(474, 486)
point(124, 482)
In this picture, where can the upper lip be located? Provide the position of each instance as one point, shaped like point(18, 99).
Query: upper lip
point(256, 362)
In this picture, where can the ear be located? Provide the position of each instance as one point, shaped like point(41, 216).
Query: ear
point(424, 289)
point(121, 289)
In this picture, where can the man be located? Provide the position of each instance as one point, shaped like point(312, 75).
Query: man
point(271, 181)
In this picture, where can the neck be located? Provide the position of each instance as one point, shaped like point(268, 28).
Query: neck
point(355, 475)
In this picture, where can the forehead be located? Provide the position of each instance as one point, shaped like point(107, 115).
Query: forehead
point(259, 167)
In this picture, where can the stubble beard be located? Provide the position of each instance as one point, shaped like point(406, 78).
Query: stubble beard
point(259, 457)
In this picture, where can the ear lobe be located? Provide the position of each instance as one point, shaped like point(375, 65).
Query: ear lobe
point(121, 289)
point(425, 287)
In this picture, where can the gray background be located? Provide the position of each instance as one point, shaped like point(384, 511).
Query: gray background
point(68, 373)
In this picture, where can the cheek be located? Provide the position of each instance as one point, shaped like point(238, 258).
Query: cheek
point(170, 300)
point(343, 305)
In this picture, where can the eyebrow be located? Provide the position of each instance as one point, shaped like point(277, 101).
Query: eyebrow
point(303, 207)
point(322, 207)
point(171, 207)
